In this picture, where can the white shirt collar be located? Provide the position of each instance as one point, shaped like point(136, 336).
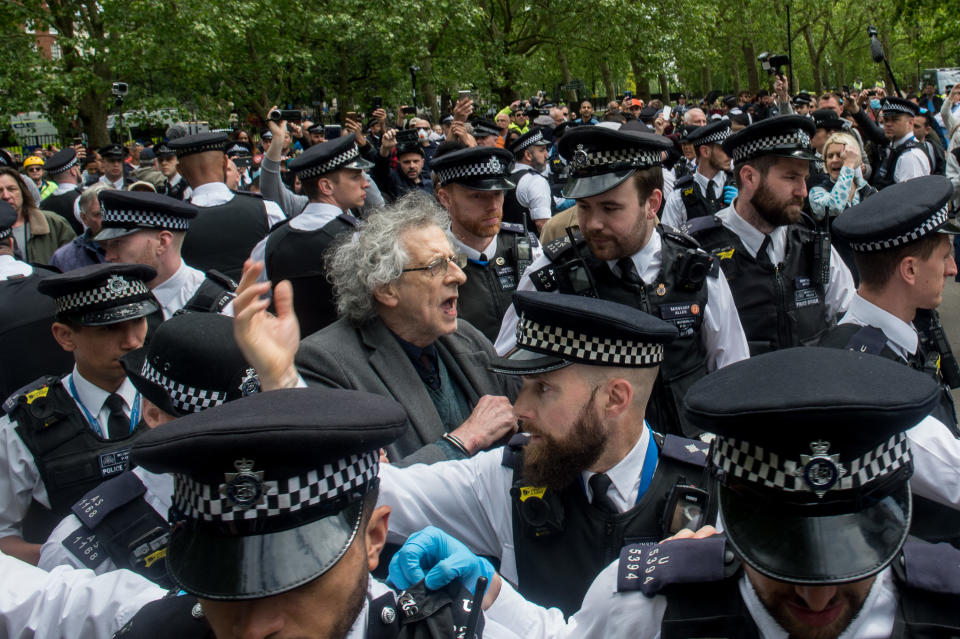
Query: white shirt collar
point(874, 621)
point(315, 215)
point(168, 293)
point(901, 336)
point(64, 188)
point(474, 254)
point(117, 185)
point(646, 260)
point(93, 397)
point(903, 140)
point(11, 267)
point(719, 179)
point(752, 238)
point(625, 476)
point(211, 194)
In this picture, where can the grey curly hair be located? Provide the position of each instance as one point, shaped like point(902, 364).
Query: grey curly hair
point(375, 255)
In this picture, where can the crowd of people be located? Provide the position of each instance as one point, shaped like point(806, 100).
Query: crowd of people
point(648, 370)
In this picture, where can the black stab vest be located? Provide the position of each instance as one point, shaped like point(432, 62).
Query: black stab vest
point(513, 211)
point(488, 291)
point(221, 237)
point(883, 176)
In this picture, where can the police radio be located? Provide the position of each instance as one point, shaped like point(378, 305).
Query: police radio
point(574, 275)
point(821, 256)
point(692, 268)
point(687, 507)
point(931, 332)
point(523, 254)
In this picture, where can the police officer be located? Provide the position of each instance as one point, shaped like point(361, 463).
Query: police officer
point(816, 514)
point(173, 185)
point(61, 437)
point(111, 160)
point(64, 169)
point(902, 158)
point(625, 256)
point(901, 240)
point(710, 187)
point(276, 525)
point(148, 228)
point(25, 317)
point(191, 364)
point(788, 282)
point(485, 132)
point(230, 223)
point(471, 184)
point(530, 203)
point(556, 506)
point(331, 175)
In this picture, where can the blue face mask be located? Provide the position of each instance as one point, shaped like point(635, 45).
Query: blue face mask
point(874, 104)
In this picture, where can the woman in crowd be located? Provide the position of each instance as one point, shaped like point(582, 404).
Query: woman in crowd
point(37, 233)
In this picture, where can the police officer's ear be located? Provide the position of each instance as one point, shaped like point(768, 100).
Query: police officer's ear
point(653, 203)
point(615, 397)
point(376, 535)
point(64, 334)
point(908, 269)
point(165, 239)
point(443, 196)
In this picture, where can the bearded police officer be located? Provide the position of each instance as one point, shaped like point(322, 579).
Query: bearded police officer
point(61, 437)
point(230, 223)
point(276, 526)
point(625, 256)
point(470, 184)
point(331, 175)
point(557, 505)
point(530, 203)
point(710, 187)
point(816, 515)
point(902, 157)
point(788, 282)
point(191, 364)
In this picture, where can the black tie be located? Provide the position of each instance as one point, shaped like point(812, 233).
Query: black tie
point(628, 272)
point(117, 423)
point(763, 258)
point(712, 192)
point(599, 484)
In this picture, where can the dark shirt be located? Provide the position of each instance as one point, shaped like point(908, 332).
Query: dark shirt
point(424, 360)
point(82, 251)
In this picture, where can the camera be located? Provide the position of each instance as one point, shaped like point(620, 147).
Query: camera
point(773, 64)
point(290, 115)
point(119, 89)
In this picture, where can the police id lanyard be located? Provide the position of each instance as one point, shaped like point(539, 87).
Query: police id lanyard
point(649, 468)
point(94, 422)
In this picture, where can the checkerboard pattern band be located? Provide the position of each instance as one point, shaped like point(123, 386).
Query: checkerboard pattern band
point(5, 233)
point(493, 168)
point(238, 149)
point(206, 502)
point(134, 290)
point(150, 219)
point(756, 465)
point(536, 138)
point(330, 165)
point(185, 398)
point(929, 225)
point(590, 161)
point(896, 107)
point(753, 148)
point(716, 137)
point(215, 145)
point(63, 169)
point(579, 347)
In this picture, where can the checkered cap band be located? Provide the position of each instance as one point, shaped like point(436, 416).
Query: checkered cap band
point(330, 165)
point(589, 161)
point(717, 137)
point(747, 150)
point(208, 502)
point(115, 289)
point(200, 148)
point(571, 345)
point(756, 465)
point(933, 222)
point(185, 398)
point(5, 233)
point(150, 219)
point(493, 167)
point(896, 107)
point(63, 169)
point(533, 139)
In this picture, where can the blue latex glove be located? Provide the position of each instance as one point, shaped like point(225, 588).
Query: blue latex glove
point(729, 194)
point(443, 556)
point(565, 204)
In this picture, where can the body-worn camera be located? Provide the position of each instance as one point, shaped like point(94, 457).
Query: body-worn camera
point(692, 268)
point(686, 507)
point(773, 64)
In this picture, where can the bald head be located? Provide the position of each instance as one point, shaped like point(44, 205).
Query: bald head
point(695, 117)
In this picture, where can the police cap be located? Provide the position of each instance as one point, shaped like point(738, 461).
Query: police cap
point(329, 156)
point(784, 136)
point(126, 212)
point(481, 168)
point(601, 158)
point(101, 294)
point(199, 143)
point(62, 161)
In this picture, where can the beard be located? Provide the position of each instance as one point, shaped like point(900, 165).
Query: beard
point(352, 609)
point(479, 229)
point(556, 463)
point(776, 605)
point(774, 210)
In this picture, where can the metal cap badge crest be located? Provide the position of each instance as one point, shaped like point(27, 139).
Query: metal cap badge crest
point(243, 488)
point(821, 471)
point(250, 384)
point(580, 158)
point(117, 285)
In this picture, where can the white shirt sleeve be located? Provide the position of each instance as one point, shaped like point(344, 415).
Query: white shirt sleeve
point(259, 254)
point(936, 462)
point(840, 289)
point(533, 192)
point(274, 212)
point(912, 164)
point(469, 499)
point(674, 212)
point(67, 602)
point(20, 480)
point(722, 333)
point(53, 553)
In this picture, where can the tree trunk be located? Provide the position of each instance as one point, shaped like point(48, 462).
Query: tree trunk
point(642, 80)
point(571, 95)
point(736, 78)
point(607, 82)
point(750, 58)
point(429, 91)
point(807, 32)
point(92, 111)
point(705, 80)
point(664, 87)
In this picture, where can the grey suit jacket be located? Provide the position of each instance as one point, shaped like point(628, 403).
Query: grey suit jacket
point(369, 358)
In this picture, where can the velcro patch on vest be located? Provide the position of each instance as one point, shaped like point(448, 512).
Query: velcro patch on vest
point(114, 462)
point(868, 339)
point(513, 227)
point(85, 546)
point(649, 569)
point(545, 279)
point(107, 497)
point(686, 317)
point(932, 567)
point(688, 451)
point(804, 293)
point(506, 275)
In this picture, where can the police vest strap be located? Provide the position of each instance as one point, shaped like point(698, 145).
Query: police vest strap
point(651, 568)
point(29, 392)
point(252, 194)
point(107, 497)
point(700, 224)
point(557, 248)
point(929, 589)
point(688, 451)
point(512, 227)
point(868, 339)
point(686, 180)
point(383, 620)
point(679, 235)
point(213, 294)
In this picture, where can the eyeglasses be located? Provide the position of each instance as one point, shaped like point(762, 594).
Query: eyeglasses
point(438, 266)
